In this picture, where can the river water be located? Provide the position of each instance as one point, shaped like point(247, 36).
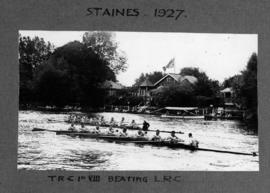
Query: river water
point(44, 150)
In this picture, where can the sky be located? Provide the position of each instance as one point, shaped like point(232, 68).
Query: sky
point(220, 56)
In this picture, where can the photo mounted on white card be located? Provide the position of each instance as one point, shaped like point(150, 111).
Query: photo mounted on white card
point(115, 100)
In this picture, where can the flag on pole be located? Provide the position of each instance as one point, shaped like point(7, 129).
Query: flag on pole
point(169, 65)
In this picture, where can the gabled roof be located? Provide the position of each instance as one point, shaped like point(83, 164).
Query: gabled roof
point(108, 84)
point(162, 79)
point(146, 83)
point(191, 79)
point(179, 78)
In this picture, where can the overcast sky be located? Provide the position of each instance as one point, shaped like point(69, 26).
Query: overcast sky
point(218, 55)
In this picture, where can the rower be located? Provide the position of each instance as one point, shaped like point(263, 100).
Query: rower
point(83, 129)
point(191, 141)
point(145, 135)
point(156, 137)
point(173, 138)
point(133, 124)
point(145, 126)
point(111, 131)
point(78, 119)
point(87, 119)
point(122, 122)
point(102, 121)
point(90, 120)
point(140, 133)
point(72, 128)
point(123, 133)
point(97, 131)
point(112, 122)
point(83, 120)
point(95, 121)
point(71, 118)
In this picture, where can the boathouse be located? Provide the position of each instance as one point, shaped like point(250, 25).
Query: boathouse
point(112, 88)
point(146, 87)
point(227, 95)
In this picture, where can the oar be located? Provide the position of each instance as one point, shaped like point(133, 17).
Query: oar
point(224, 151)
point(195, 148)
point(40, 129)
point(162, 131)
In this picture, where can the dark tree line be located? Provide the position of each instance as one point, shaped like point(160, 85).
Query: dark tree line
point(245, 89)
point(69, 75)
point(32, 53)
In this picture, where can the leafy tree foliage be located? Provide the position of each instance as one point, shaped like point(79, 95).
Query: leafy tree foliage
point(248, 90)
point(73, 74)
point(52, 86)
point(104, 44)
point(32, 53)
point(247, 94)
point(245, 89)
point(152, 77)
point(173, 95)
point(236, 83)
point(204, 86)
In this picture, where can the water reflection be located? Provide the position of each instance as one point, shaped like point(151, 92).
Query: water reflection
point(47, 151)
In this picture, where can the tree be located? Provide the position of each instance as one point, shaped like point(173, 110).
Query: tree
point(204, 86)
point(248, 89)
point(79, 73)
point(152, 77)
point(53, 87)
point(235, 82)
point(104, 44)
point(173, 95)
point(232, 81)
point(245, 90)
point(32, 53)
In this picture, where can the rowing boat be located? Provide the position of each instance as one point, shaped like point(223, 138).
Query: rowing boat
point(100, 125)
point(122, 127)
point(98, 136)
point(120, 139)
point(141, 141)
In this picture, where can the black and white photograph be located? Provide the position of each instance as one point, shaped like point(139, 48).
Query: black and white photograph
point(116, 100)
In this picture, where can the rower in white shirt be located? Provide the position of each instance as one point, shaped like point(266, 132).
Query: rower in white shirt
point(133, 124)
point(122, 122)
point(102, 121)
point(173, 138)
point(72, 128)
point(112, 122)
point(156, 137)
point(97, 130)
point(111, 131)
point(123, 133)
point(191, 141)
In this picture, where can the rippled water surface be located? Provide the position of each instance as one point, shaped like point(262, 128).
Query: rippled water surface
point(45, 150)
